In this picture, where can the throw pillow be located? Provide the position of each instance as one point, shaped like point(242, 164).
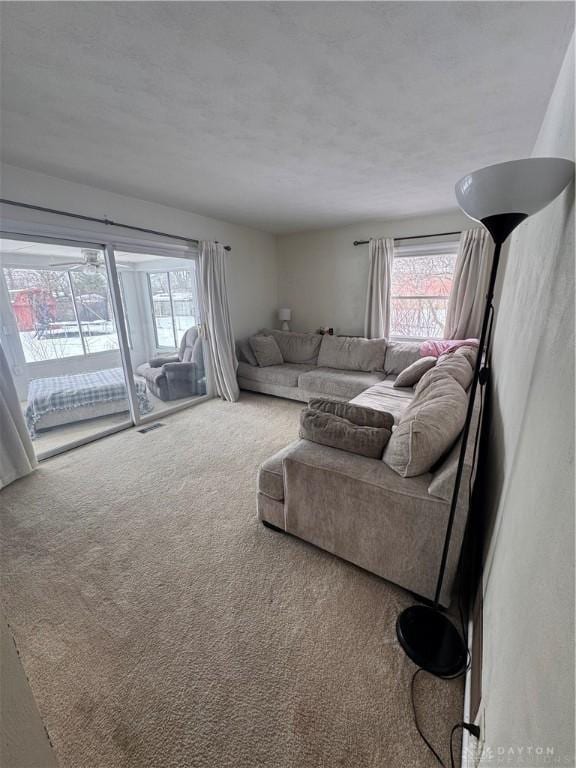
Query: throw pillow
point(414, 372)
point(428, 427)
point(357, 414)
point(266, 350)
point(332, 430)
point(244, 352)
point(298, 347)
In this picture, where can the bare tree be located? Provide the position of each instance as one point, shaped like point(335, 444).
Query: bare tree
point(420, 289)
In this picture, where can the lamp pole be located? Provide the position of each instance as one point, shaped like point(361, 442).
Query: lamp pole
point(522, 188)
point(500, 227)
point(425, 633)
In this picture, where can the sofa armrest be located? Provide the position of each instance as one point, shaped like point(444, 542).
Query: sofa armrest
point(357, 469)
point(158, 362)
point(354, 507)
point(180, 370)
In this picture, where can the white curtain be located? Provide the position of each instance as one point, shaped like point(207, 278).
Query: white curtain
point(467, 298)
point(220, 337)
point(377, 319)
point(16, 451)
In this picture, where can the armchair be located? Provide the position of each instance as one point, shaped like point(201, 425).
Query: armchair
point(171, 377)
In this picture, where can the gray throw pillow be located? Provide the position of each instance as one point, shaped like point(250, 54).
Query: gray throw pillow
point(298, 347)
point(328, 429)
point(244, 352)
point(414, 372)
point(357, 414)
point(428, 427)
point(266, 350)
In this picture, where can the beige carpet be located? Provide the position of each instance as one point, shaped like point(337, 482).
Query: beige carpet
point(161, 625)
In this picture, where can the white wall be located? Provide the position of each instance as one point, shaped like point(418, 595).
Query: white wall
point(323, 276)
point(528, 667)
point(253, 274)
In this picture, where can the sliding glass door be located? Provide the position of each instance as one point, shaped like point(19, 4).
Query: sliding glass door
point(60, 337)
point(98, 339)
point(164, 328)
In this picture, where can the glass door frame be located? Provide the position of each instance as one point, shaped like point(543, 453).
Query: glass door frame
point(108, 249)
point(136, 248)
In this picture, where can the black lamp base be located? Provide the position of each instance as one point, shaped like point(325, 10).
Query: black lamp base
point(431, 640)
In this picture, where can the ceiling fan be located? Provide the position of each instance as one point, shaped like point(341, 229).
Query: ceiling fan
point(91, 261)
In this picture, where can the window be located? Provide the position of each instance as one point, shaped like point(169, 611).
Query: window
point(421, 284)
point(174, 307)
point(61, 313)
point(94, 311)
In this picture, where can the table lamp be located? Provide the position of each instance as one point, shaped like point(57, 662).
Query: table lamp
point(285, 316)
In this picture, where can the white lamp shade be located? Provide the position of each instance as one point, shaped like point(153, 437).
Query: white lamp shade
point(519, 186)
point(284, 314)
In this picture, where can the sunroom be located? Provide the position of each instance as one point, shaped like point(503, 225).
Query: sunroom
point(99, 337)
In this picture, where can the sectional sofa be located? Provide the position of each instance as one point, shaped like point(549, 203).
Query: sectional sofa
point(360, 508)
point(314, 365)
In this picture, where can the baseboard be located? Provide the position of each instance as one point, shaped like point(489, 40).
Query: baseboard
point(469, 756)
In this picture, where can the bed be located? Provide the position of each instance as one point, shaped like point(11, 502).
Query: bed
point(58, 400)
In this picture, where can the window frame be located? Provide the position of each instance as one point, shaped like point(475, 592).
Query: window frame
point(151, 298)
point(168, 273)
point(86, 352)
point(124, 308)
point(409, 251)
point(96, 238)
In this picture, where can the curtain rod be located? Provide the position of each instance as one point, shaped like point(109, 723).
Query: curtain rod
point(108, 222)
point(412, 237)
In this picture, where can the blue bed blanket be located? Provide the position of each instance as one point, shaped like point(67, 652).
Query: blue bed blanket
point(62, 393)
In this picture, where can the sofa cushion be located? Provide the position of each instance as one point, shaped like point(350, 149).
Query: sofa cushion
point(266, 350)
point(329, 381)
point(286, 374)
point(298, 347)
point(332, 430)
point(470, 352)
point(385, 397)
point(456, 366)
point(428, 427)
point(414, 372)
point(444, 477)
point(244, 352)
point(362, 417)
point(352, 354)
point(401, 354)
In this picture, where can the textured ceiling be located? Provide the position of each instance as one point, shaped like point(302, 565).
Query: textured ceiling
point(283, 116)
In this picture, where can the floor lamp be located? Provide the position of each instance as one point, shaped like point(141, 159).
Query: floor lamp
point(500, 197)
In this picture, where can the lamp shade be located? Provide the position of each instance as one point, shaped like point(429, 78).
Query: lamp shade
point(284, 314)
point(516, 187)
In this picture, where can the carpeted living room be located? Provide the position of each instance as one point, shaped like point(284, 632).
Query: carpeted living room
point(287, 384)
